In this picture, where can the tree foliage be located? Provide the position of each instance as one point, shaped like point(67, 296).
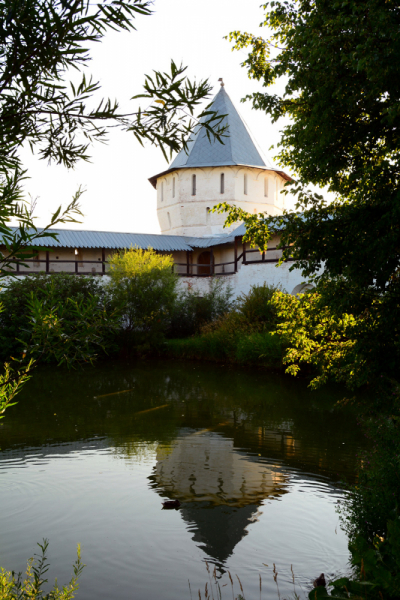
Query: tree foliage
point(43, 44)
point(342, 91)
point(339, 64)
point(143, 288)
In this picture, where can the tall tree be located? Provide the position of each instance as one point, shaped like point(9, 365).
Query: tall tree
point(339, 63)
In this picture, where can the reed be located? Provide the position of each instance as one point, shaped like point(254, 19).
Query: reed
point(213, 586)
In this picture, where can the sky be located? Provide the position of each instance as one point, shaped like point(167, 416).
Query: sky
point(118, 195)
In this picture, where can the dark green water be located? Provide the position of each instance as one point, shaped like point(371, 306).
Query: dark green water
point(255, 459)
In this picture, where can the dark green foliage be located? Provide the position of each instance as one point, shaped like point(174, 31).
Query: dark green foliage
point(260, 349)
point(257, 307)
point(378, 568)
point(340, 64)
point(377, 494)
point(192, 311)
point(15, 320)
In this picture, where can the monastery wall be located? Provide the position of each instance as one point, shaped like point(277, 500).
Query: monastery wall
point(248, 275)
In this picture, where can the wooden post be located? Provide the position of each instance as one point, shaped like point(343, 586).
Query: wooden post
point(211, 261)
point(263, 255)
point(187, 263)
point(103, 258)
point(47, 261)
point(236, 267)
point(76, 264)
point(244, 253)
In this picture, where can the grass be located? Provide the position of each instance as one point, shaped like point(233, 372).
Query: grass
point(263, 349)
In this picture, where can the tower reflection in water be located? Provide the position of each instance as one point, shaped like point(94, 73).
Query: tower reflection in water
point(220, 487)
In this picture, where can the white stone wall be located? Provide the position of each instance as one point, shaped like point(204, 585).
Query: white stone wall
point(182, 213)
point(248, 275)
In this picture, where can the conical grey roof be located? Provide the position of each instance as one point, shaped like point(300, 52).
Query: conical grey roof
point(238, 147)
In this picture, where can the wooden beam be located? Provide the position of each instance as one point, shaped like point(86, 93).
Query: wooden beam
point(103, 258)
point(236, 267)
point(244, 252)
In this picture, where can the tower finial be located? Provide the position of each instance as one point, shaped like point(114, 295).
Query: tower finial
point(222, 81)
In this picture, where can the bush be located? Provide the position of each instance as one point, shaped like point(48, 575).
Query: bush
point(260, 348)
point(15, 319)
point(192, 311)
point(257, 307)
point(143, 289)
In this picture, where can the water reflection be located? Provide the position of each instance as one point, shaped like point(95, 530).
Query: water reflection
point(221, 488)
point(255, 459)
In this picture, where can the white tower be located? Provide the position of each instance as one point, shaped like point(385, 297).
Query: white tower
point(210, 173)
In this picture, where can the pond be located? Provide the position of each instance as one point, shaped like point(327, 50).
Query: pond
point(256, 460)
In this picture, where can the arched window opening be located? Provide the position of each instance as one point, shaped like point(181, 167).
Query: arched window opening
point(266, 187)
point(222, 184)
point(245, 184)
point(173, 187)
point(193, 185)
point(204, 263)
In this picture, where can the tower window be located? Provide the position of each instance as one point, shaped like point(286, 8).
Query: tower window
point(266, 187)
point(173, 187)
point(222, 184)
point(193, 185)
point(162, 191)
point(245, 184)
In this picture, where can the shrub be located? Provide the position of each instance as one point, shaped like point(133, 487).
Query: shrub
point(143, 288)
point(192, 311)
point(70, 331)
point(257, 307)
point(15, 319)
point(260, 348)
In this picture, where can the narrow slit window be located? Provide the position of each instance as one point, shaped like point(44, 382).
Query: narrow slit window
point(169, 220)
point(222, 183)
point(173, 187)
point(162, 191)
point(193, 185)
point(266, 187)
point(245, 184)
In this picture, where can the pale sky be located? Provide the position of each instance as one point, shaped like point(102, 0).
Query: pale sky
point(118, 194)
